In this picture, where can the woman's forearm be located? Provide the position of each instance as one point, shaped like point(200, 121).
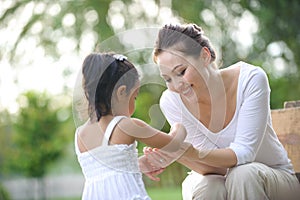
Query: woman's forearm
point(199, 161)
point(191, 160)
point(220, 158)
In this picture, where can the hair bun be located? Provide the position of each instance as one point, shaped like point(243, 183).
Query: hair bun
point(119, 57)
point(198, 28)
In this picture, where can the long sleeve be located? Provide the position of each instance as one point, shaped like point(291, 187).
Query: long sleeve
point(252, 117)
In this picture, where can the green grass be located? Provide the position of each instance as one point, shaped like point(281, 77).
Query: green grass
point(154, 193)
point(165, 193)
point(71, 198)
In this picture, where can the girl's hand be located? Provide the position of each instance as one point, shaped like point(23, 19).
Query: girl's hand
point(148, 169)
point(153, 175)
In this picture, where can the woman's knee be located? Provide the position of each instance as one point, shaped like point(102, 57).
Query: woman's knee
point(258, 181)
point(242, 175)
point(197, 186)
point(243, 172)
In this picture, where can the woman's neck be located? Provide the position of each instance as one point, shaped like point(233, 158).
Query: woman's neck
point(215, 88)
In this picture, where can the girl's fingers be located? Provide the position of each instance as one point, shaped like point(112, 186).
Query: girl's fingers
point(147, 150)
point(153, 175)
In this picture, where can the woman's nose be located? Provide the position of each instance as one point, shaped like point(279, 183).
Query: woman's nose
point(178, 84)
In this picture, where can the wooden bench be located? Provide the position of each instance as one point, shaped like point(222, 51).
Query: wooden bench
point(286, 123)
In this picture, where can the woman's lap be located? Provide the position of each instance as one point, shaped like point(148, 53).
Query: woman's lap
point(249, 181)
point(197, 186)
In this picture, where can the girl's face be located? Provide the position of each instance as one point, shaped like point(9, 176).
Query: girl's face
point(132, 97)
point(123, 102)
point(181, 74)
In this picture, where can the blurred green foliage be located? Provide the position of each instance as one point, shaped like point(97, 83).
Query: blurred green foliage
point(271, 24)
point(5, 140)
point(4, 195)
point(38, 137)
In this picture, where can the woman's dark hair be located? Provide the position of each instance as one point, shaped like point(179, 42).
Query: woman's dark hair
point(102, 73)
point(188, 39)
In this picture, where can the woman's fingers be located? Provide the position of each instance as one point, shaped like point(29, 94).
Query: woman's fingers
point(158, 159)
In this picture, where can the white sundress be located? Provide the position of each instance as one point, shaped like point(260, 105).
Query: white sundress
point(111, 171)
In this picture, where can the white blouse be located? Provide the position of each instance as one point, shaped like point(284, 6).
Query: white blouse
point(249, 134)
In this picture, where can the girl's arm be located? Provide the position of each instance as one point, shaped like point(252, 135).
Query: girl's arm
point(171, 147)
point(152, 137)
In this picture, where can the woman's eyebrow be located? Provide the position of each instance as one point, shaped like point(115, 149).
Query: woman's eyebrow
point(179, 65)
point(176, 67)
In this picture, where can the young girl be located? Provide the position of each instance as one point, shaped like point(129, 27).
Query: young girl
point(105, 145)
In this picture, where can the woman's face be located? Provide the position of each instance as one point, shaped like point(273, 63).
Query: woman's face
point(181, 74)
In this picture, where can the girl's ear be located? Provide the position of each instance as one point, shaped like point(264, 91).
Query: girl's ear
point(121, 92)
point(205, 55)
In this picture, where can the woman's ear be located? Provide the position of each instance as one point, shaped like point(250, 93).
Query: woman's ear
point(121, 92)
point(205, 55)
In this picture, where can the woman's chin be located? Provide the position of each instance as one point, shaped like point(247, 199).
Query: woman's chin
point(190, 97)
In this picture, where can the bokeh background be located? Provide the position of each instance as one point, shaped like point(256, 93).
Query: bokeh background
point(43, 44)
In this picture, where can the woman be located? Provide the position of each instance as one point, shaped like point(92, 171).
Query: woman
point(227, 116)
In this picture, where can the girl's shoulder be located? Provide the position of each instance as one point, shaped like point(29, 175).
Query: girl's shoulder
point(87, 129)
point(88, 136)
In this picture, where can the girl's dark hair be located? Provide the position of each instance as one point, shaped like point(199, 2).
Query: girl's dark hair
point(102, 73)
point(188, 39)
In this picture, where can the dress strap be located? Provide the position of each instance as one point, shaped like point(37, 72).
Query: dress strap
point(76, 145)
point(110, 129)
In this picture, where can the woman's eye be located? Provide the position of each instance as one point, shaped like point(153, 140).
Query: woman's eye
point(168, 80)
point(182, 72)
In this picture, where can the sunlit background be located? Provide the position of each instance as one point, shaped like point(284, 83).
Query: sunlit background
point(43, 44)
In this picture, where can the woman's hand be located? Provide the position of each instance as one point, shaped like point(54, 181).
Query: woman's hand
point(187, 156)
point(159, 158)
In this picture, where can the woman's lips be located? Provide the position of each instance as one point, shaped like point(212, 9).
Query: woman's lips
point(187, 92)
